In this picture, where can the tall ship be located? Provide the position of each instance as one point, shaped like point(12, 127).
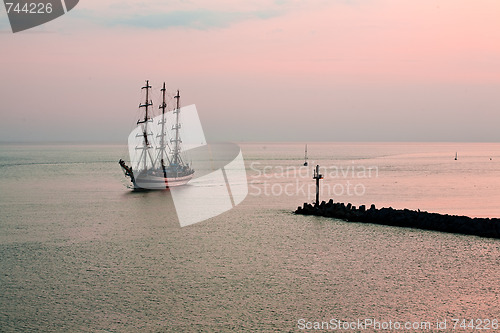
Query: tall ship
point(156, 160)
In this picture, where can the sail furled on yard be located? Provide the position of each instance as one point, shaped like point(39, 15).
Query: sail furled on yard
point(144, 152)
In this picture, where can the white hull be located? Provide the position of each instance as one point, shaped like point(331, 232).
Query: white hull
point(160, 183)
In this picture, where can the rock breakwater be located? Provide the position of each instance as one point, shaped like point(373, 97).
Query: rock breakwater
point(484, 227)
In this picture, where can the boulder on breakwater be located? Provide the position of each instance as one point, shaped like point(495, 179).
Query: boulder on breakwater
point(484, 227)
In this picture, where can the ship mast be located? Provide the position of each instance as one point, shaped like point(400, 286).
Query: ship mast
point(177, 127)
point(145, 121)
point(162, 143)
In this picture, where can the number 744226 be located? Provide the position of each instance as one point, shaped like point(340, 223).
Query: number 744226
point(29, 8)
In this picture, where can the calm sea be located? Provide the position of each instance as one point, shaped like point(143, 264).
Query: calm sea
point(80, 252)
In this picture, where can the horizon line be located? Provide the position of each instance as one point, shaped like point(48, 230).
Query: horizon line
point(112, 142)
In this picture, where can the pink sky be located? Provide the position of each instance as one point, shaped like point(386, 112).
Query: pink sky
point(367, 70)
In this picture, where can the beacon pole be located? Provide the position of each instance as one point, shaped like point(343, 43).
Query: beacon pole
point(317, 176)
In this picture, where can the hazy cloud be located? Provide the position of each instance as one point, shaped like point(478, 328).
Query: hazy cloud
point(4, 20)
point(202, 19)
point(197, 19)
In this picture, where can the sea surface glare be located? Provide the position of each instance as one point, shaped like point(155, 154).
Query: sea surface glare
point(79, 252)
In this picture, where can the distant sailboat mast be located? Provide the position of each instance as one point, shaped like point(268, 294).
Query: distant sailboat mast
point(305, 157)
point(456, 156)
